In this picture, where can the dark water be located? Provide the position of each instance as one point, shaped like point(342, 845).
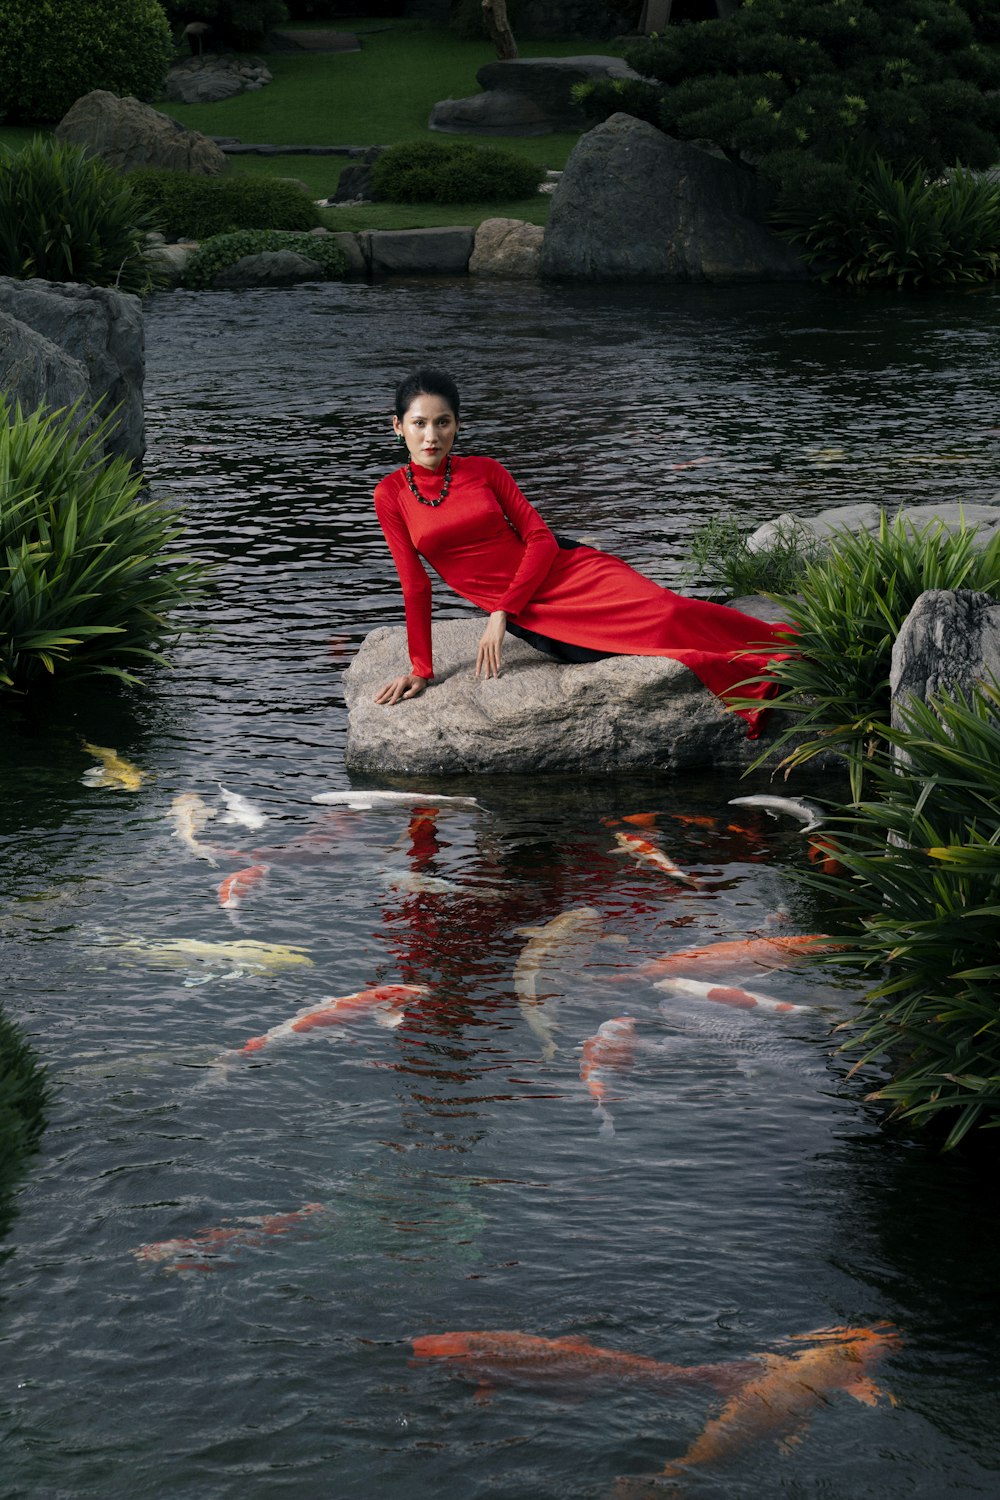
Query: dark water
point(748, 1193)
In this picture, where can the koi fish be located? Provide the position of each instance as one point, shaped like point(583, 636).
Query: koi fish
point(189, 814)
point(387, 999)
point(240, 810)
point(232, 890)
point(823, 853)
point(365, 801)
point(727, 995)
point(203, 1251)
point(243, 954)
point(648, 854)
point(570, 936)
point(496, 1357)
point(781, 1398)
point(114, 770)
point(431, 885)
point(610, 1050)
point(809, 813)
point(742, 954)
point(642, 820)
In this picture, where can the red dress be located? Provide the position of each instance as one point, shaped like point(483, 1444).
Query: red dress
point(489, 545)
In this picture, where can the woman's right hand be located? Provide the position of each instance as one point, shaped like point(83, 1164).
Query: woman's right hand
point(408, 686)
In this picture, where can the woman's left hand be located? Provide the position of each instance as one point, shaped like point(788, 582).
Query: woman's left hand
point(490, 645)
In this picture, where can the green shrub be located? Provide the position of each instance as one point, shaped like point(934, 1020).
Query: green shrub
point(67, 217)
point(224, 250)
point(902, 230)
point(721, 558)
point(242, 24)
point(847, 610)
point(86, 570)
point(189, 207)
point(600, 98)
point(431, 172)
point(54, 51)
point(924, 863)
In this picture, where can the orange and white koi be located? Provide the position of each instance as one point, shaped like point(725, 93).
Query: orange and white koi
point(728, 995)
point(387, 1001)
point(648, 854)
point(203, 1251)
point(611, 1050)
point(742, 954)
point(788, 1388)
point(237, 885)
point(500, 1356)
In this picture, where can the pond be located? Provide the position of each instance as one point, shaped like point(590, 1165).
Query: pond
point(221, 1257)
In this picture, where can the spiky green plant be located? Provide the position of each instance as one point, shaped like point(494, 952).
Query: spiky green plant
point(847, 611)
point(924, 861)
point(721, 557)
point(87, 567)
point(65, 216)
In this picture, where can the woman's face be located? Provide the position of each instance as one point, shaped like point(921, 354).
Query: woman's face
point(428, 429)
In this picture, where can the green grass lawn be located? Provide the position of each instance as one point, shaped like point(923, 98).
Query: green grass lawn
point(379, 96)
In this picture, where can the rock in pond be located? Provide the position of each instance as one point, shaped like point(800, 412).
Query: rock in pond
point(269, 268)
point(626, 713)
point(506, 247)
point(950, 639)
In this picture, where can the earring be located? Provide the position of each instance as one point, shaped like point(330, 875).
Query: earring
point(399, 437)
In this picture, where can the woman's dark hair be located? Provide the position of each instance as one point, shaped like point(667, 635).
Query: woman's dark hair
point(426, 382)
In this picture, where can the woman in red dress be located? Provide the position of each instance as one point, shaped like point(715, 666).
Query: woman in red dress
point(467, 518)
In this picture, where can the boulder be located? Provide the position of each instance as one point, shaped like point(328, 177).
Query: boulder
point(418, 252)
point(269, 268)
point(816, 530)
point(950, 639)
point(127, 134)
point(634, 204)
point(625, 713)
point(206, 80)
point(36, 372)
point(172, 260)
point(496, 112)
point(506, 247)
point(548, 82)
point(102, 331)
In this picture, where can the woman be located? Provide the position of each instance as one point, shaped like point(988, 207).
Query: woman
point(469, 520)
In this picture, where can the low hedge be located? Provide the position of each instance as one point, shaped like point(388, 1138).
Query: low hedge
point(188, 207)
point(431, 172)
point(224, 250)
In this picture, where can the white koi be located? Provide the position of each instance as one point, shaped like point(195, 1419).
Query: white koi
point(366, 801)
point(240, 810)
point(189, 813)
point(809, 813)
point(570, 937)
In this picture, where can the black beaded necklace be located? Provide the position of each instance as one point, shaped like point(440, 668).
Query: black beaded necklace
point(444, 488)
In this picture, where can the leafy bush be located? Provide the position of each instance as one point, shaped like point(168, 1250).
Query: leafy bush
point(431, 172)
point(847, 610)
point(902, 230)
point(242, 24)
point(925, 888)
point(67, 217)
point(86, 570)
point(54, 51)
point(224, 250)
point(189, 207)
point(721, 557)
point(599, 98)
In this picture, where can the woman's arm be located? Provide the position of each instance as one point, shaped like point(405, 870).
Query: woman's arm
point(540, 546)
point(415, 584)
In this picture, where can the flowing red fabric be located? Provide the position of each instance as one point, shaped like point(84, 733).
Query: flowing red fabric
point(488, 544)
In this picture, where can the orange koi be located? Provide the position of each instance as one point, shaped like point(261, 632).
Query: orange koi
point(501, 1356)
point(387, 999)
point(203, 1251)
point(728, 995)
point(610, 1050)
point(641, 849)
point(742, 954)
point(823, 853)
point(692, 820)
point(237, 885)
point(781, 1398)
point(642, 820)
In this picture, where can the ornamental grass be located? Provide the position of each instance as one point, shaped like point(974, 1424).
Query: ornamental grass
point(924, 891)
point(88, 569)
point(847, 610)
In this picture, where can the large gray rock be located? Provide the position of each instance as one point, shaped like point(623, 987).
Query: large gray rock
point(102, 331)
point(950, 639)
point(634, 204)
point(418, 252)
point(35, 372)
point(269, 268)
point(496, 112)
point(548, 83)
point(208, 79)
point(816, 531)
point(622, 714)
point(507, 247)
point(127, 134)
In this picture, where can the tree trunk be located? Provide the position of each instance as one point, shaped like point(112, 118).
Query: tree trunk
point(498, 27)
